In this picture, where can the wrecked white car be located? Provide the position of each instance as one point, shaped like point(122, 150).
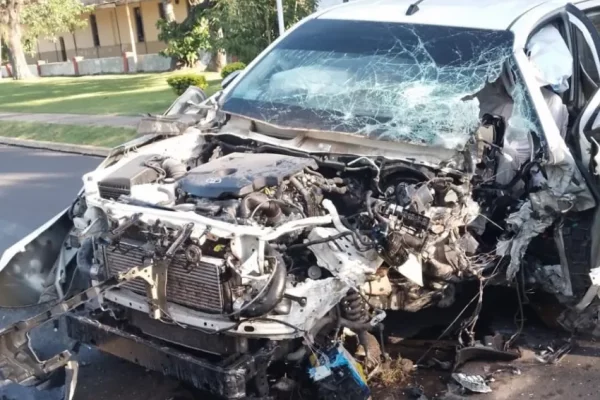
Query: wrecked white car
point(372, 159)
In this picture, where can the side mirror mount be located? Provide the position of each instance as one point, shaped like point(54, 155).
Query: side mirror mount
point(230, 78)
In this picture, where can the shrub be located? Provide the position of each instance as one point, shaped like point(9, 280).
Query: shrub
point(184, 41)
point(180, 83)
point(229, 68)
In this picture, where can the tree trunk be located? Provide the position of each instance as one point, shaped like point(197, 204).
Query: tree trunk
point(218, 58)
point(169, 11)
point(75, 44)
point(20, 69)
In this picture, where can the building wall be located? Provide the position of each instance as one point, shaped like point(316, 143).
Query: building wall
point(113, 32)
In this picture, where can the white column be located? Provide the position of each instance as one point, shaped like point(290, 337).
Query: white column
point(280, 17)
point(131, 35)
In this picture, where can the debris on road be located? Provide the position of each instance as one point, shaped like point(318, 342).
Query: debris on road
point(335, 372)
point(474, 383)
point(491, 350)
point(551, 355)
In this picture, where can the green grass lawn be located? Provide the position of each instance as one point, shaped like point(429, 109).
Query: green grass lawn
point(107, 94)
point(89, 135)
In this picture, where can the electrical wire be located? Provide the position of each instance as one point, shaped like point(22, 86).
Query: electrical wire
point(259, 295)
point(487, 280)
point(377, 169)
point(318, 241)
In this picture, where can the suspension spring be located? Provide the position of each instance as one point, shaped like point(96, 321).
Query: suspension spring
point(354, 307)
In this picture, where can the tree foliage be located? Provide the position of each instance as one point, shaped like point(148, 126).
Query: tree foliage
point(47, 18)
point(250, 26)
point(240, 28)
point(184, 41)
point(41, 18)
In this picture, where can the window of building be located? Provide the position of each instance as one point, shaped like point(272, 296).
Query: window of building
point(161, 10)
point(139, 24)
point(94, 26)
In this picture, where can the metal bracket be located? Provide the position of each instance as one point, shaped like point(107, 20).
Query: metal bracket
point(18, 361)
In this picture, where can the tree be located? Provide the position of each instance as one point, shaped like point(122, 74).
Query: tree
point(41, 18)
point(238, 27)
point(44, 19)
point(10, 15)
point(169, 12)
point(250, 26)
point(183, 41)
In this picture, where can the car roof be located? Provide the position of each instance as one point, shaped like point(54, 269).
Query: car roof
point(483, 14)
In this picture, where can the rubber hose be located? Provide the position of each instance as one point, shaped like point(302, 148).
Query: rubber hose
point(173, 168)
point(269, 208)
point(171, 197)
point(297, 355)
point(274, 294)
point(300, 187)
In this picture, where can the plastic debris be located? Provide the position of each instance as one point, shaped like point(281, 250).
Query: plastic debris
point(473, 383)
point(551, 356)
point(335, 372)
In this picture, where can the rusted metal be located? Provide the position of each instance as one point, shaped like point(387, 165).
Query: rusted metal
point(227, 378)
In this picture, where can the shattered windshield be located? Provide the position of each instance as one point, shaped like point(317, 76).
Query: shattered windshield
point(385, 81)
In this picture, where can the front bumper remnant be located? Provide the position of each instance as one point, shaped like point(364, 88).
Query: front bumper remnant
point(227, 378)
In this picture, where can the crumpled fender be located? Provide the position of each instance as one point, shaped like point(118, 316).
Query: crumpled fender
point(26, 267)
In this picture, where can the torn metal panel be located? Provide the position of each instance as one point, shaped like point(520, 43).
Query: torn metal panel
point(342, 259)
point(551, 278)
point(533, 218)
point(29, 268)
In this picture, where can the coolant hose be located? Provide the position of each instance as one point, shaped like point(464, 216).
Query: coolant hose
point(274, 294)
point(171, 197)
point(173, 168)
point(268, 206)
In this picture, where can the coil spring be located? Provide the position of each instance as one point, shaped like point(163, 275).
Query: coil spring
point(354, 307)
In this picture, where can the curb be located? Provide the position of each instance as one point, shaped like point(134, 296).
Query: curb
point(52, 146)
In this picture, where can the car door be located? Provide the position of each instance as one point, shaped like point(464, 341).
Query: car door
point(586, 54)
point(586, 81)
point(584, 136)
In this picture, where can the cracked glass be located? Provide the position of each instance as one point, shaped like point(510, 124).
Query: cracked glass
point(386, 81)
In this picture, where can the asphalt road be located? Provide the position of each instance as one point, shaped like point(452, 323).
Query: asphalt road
point(35, 186)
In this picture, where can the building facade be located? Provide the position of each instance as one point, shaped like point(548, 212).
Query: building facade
point(110, 28)
point(108, 34)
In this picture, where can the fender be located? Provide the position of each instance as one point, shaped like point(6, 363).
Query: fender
point(27, 267)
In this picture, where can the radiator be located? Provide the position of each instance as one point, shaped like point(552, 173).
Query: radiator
point(199, 287)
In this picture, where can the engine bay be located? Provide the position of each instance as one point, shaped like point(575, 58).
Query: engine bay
point(256, 231)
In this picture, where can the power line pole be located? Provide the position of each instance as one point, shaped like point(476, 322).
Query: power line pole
point(280, 17)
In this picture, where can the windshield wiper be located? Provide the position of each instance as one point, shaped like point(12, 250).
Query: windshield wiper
point(413, 8)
